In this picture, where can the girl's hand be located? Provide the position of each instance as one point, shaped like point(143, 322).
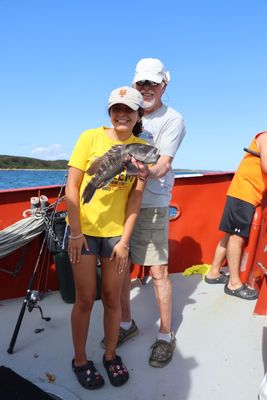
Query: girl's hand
point(75, 248)
point(120, 253)
point(143, 170)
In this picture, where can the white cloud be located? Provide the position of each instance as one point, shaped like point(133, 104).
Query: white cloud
point(52, 152)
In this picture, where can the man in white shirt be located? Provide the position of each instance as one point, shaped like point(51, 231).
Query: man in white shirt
point(164, 128)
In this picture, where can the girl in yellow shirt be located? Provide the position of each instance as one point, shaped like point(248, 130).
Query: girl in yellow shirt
point(102, 228)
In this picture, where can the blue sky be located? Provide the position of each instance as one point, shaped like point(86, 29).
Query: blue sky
point(60, 59)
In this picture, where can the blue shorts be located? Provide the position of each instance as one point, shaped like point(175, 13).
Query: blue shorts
point(98, 246)
point(237, 217)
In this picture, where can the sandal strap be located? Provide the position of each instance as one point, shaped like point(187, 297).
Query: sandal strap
point(117, 372)
point(114, 362)
point(89, 365)
point(88, 376)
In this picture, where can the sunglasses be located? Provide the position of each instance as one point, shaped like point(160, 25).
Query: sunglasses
point(148, 83)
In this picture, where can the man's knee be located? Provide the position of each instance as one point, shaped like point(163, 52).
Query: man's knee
point(159, 272)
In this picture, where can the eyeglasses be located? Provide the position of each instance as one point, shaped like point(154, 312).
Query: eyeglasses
point(148, 83)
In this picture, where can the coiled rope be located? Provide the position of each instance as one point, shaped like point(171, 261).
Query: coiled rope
point(23, 231)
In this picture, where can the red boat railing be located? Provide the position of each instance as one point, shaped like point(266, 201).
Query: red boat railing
point(193, 235)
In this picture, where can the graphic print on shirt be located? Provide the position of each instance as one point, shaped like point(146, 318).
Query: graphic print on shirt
point(118, 182)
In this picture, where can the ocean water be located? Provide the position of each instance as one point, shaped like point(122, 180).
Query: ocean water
point(14, 179)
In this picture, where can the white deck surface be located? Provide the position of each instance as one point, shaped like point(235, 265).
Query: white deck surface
point(221, 351)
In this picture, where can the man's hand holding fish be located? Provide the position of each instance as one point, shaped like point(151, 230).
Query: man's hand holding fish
point(143, 170)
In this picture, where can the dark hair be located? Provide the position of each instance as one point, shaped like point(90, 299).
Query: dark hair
point(137, 129)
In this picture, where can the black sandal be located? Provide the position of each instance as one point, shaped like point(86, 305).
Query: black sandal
point(244, 292)
point(222, 278)
point(117, 372)
point(88, 376)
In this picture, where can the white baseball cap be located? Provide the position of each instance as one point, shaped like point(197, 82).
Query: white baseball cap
point(128, 96)
point(151, 69)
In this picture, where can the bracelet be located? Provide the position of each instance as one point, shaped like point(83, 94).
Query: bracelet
point(142, 179)
point(76, 237)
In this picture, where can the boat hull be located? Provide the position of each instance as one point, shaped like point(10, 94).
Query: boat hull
point(192, 235)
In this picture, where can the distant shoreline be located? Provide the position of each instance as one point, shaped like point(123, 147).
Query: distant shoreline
point(31, 169)
point(31, 164)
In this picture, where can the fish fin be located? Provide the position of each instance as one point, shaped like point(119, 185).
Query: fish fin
point(88, 192)
point(94, 166)
point(90, 189)
point(104, 182)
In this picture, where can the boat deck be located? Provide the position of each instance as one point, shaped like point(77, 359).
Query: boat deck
point(220, 353)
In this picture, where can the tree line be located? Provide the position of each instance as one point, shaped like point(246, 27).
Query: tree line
point(15, 162)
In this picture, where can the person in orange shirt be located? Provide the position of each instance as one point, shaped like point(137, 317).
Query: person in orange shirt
point(244, 194)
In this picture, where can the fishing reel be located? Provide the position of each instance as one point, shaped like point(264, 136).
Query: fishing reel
point(33, 297)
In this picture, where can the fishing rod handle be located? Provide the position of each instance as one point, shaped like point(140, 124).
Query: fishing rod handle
point(16, 330)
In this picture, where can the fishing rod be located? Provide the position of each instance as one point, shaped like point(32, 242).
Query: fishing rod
point(30, 300)
point(33, 296)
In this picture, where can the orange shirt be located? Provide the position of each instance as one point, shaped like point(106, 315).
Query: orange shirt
point(249, 181)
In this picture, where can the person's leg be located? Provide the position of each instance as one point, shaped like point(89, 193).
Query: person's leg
point(219, 258)
point(111, 288)
point(110, 294)
point(125, 297)
point(162, 349)
point(233, 254)
point(85, 291)
point(235, 287)
point(128, 328)
point(163, 293)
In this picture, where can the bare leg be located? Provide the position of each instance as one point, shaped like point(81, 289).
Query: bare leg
point(219, 257)
point(234, 253)
point(111, 295)
point(85, 290)
point(163, 294)
point(125, 297)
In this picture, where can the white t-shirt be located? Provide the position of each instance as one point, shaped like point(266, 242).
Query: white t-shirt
point(164, 129)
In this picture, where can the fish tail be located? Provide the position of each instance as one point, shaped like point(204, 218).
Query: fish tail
point(88, 193)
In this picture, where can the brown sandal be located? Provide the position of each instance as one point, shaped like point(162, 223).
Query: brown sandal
point(162, 352)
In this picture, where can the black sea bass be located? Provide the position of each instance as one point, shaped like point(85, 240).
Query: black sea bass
point(114, 161)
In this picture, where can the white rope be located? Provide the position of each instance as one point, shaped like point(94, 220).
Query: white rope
point(20, 233)
point(35, 221)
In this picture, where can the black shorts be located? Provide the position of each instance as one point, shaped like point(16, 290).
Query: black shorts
point(99, 246)
point(237, 217)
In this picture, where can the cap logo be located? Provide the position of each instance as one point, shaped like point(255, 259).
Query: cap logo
point(122, 92)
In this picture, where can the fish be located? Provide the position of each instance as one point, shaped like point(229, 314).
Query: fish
point(114, 161)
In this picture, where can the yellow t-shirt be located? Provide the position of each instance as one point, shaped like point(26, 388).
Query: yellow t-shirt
point(249, 181)
point(104, 215)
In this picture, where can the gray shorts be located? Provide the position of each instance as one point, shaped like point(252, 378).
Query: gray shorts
point(99, 246)
point(149, 242)
point(237, 217)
